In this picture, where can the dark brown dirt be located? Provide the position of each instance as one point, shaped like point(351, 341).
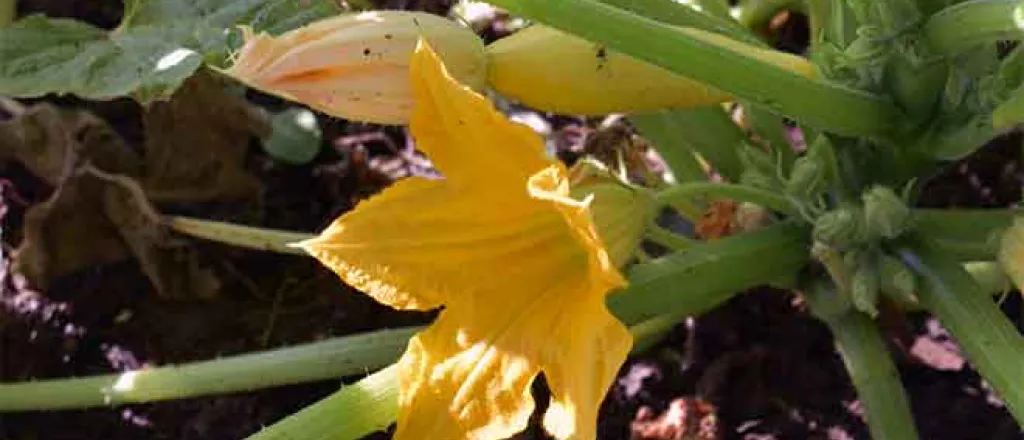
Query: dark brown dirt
point(759, 367)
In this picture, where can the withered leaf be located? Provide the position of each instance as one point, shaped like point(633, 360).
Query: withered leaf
point(196, 144)
point(51, 142)
point(96, 217)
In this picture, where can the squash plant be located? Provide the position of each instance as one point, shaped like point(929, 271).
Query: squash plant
point(903, 88)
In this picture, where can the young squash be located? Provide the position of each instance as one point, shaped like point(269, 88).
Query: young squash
point(553, 71)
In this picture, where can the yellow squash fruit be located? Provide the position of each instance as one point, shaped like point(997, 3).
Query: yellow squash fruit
point(356, 66)
point(553, 71)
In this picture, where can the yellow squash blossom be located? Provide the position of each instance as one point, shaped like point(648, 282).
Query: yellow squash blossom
point(515, 263)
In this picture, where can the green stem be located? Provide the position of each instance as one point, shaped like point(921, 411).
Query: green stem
point(815, 102)
point(708, 130)
point(357, 410)
point(250, 237)
point(990, 340)
point(682, 14)
point(965, 235)
point(870, 367)
point(669, 239)
point(336, 357)
point(742, 193)
point(703, 277)
point(962, 26)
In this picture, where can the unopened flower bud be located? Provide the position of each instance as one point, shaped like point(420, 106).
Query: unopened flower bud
point(356, 66)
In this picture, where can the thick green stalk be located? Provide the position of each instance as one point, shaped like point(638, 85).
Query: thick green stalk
point(992, 343)
point(869, 364)
point(703, 277)
point(682, 14)
point(962, 26)
point(687, 191)
point(355, 411)
point(669, 239)
point(336, 357)
point(708, 130)
point(965, 235)
point(821, 104)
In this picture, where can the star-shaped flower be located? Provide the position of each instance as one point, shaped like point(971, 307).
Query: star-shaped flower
point(515, 263)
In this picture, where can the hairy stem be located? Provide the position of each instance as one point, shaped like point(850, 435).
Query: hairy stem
point(357, 410)
point(991, 342)
point(336, 357)
point(686, 191)
point(870, 367)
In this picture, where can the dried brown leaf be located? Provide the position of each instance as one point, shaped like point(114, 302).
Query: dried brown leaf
point(196, 144)
point(95, 217)
point(51, 142)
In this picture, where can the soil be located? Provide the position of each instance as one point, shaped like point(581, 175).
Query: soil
point(758, 367)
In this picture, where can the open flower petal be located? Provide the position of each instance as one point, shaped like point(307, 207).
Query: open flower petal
point(515, 262)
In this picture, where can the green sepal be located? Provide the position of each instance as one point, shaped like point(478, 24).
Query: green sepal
point(840, 228)
point(864, 285)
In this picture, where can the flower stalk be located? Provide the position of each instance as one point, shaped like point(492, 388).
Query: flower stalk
point(992, 343)
point(869, 364)
point(331, 358)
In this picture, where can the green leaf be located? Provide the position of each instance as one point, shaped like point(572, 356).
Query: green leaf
point(158, 45)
